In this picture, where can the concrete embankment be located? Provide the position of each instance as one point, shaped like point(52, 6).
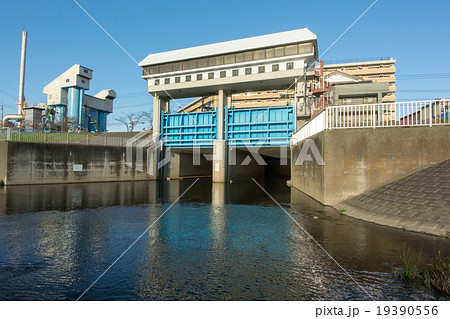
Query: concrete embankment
point(3, 162)
point(388, 176)
point(40, 163)
point(419, 202)
point(359, 160)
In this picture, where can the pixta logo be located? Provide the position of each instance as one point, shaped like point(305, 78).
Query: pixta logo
point(159, 156)
point(142, 142)
point(308, 153)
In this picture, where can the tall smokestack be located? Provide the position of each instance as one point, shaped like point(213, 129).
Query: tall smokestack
point(23, 56)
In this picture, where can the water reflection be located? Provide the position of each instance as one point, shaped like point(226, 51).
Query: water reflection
point(31, 198)
point(220, 242)
point(218, 214)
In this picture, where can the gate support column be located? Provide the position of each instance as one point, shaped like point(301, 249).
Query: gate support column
point(155, 153)
point(159, 104)
point(220, 149)
point(220, 161)
point(153, 157)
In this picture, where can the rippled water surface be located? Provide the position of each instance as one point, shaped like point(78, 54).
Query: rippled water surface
point(220, 242)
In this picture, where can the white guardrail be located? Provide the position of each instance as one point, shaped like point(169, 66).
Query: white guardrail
point(399, 114)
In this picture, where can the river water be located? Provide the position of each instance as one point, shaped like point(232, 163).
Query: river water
point(219, 242)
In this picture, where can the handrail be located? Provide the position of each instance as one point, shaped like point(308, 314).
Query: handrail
point(316, 125)
point(118, 139)
point(398, 114)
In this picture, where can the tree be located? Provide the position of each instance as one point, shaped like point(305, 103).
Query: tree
point(131, 120)
point(148, 120)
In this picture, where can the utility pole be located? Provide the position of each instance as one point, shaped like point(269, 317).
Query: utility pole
point(1, 120)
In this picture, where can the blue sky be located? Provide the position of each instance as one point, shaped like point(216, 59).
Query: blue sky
point(415, 33)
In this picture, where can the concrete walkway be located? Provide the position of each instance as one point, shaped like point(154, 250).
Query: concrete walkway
point(419, 202)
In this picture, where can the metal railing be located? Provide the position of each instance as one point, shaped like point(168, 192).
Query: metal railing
point(316, 125)
point(399, 114)
point(118, 139)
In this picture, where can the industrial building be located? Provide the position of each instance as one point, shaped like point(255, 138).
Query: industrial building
point(69, 107)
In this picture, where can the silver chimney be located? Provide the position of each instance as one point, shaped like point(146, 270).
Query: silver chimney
point(23, 57)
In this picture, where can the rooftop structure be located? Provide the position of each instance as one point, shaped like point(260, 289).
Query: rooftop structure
point(257, 63)
point(382, 70)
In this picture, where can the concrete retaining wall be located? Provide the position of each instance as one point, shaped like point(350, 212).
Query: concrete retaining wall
point(240, 171)
point(358, 160)
point(3, 161)
point(182, 165)
point(37, 163)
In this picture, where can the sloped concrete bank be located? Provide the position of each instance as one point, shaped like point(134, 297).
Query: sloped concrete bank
point(419, 202)
point(399, 177)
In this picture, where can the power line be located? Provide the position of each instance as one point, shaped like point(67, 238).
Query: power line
point(426, 74)
point(9, 106)
point(423, 90)
point(131, 106)
point(8, 94)
point(7, 85)
point(417, 99)
point(133, 94)
point(423, 76)
point(36, 68)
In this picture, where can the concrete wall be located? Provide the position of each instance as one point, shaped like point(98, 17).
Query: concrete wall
point(181, 165)
point(309, 177)
point(357, 160)
point(240, 171)
point(35, 163)
point(358, 91)
point(275, 169)
point(3, 161)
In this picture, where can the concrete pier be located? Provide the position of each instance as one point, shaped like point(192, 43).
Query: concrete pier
point(154, 155)
point(220, 164)
point(220, 149)
point(160, 104)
